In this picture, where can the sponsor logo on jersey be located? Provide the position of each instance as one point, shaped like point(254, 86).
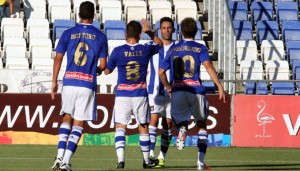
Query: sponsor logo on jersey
point(79, 76)
point(130, 87)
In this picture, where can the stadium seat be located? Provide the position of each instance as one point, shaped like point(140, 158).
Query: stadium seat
point(17, 63)
point(277, 70)
point(40, 48)
point(185, 9)
point(12, 27)
point(261, 11)
point(283, 88)
point(115, 30)
point(290, 31)
point(243, 30)
point(55, 8)
point(259, 87)
point(286, 11)
point(59, 26)
point(34, 9)
point(14, 48)
point(37, 28)
point(174, 35)
point(296, 70)
point(96, 24)
point(238, 10)
point(246, 50)
point(135, 10)
point(272, 50)
point(110, 10)
point(42, 64)
point(251, 70)
point(293, 51)
point(266, 30)
point(159, 9)
point(114, 43)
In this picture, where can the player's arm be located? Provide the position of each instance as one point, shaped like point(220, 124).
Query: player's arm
point(164, 80)
point(56, 67)
point(147, 30)
point(112, 62)
point(213, 75)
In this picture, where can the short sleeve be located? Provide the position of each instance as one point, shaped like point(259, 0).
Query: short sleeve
point(166, 62)
point(104, 50)
point(153, 47)
point(62, 44)
point(112, 61)
point(204, 56)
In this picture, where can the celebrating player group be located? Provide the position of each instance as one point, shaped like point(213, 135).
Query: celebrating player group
point(158, 79)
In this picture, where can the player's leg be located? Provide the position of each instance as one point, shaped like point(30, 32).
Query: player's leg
point(181, 115)
point(155, 108)
point(141, 112)
point(63, 135)
point(73, 140)
point(200, 113)
point(120, 142)
point(121, 116)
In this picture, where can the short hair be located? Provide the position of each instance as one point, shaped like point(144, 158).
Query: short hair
point(133, 29)
point(87, 10)
point(189, 27)
point(166, 19)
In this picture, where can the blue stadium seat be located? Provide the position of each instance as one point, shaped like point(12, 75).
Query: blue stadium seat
point(290, 31)
point(261, 11)
point(59, 26)
point(209, 87)
point(238, 10)
point(96, 24)
point(266, 30)
point(243, 30)
point(296, 70)
point(293, 51)
point(283, 88)
point(115, 29)
point(259, 87)
point(286, 11)
point(174, 35)
point(262, 88)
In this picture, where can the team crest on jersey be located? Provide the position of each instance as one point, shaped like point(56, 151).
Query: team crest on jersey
point(131, 48)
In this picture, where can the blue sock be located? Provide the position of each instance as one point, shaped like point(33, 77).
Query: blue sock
point(72, 143)
point(202, 145)
point(120, 143)
point(64, 132)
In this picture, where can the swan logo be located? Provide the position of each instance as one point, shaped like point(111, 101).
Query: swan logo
point(263, 119)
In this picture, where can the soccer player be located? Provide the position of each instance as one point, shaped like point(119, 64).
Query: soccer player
point(159, 99)
point(187, 93)
point(132, 60)
point(85, 46)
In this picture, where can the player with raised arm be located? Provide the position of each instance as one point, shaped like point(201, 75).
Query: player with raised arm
point(132, 60)
point(187, 92)
point(159, 99)
point(85, 46)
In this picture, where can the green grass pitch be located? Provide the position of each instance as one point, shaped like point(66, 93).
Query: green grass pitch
point(94, 158)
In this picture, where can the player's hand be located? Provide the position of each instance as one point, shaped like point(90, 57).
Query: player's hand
point(169, 90)
point(222, 94)
point(146, 26)
point(99, 72)
point(54, 90)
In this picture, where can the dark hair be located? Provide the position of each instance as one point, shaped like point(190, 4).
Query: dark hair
point(86, 10)
point(133, 29)
point(166, 19)
point(189, 27)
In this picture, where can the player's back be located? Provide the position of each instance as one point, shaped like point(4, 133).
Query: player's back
point(84, 44)
point(187, 57)
point(132, 63)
